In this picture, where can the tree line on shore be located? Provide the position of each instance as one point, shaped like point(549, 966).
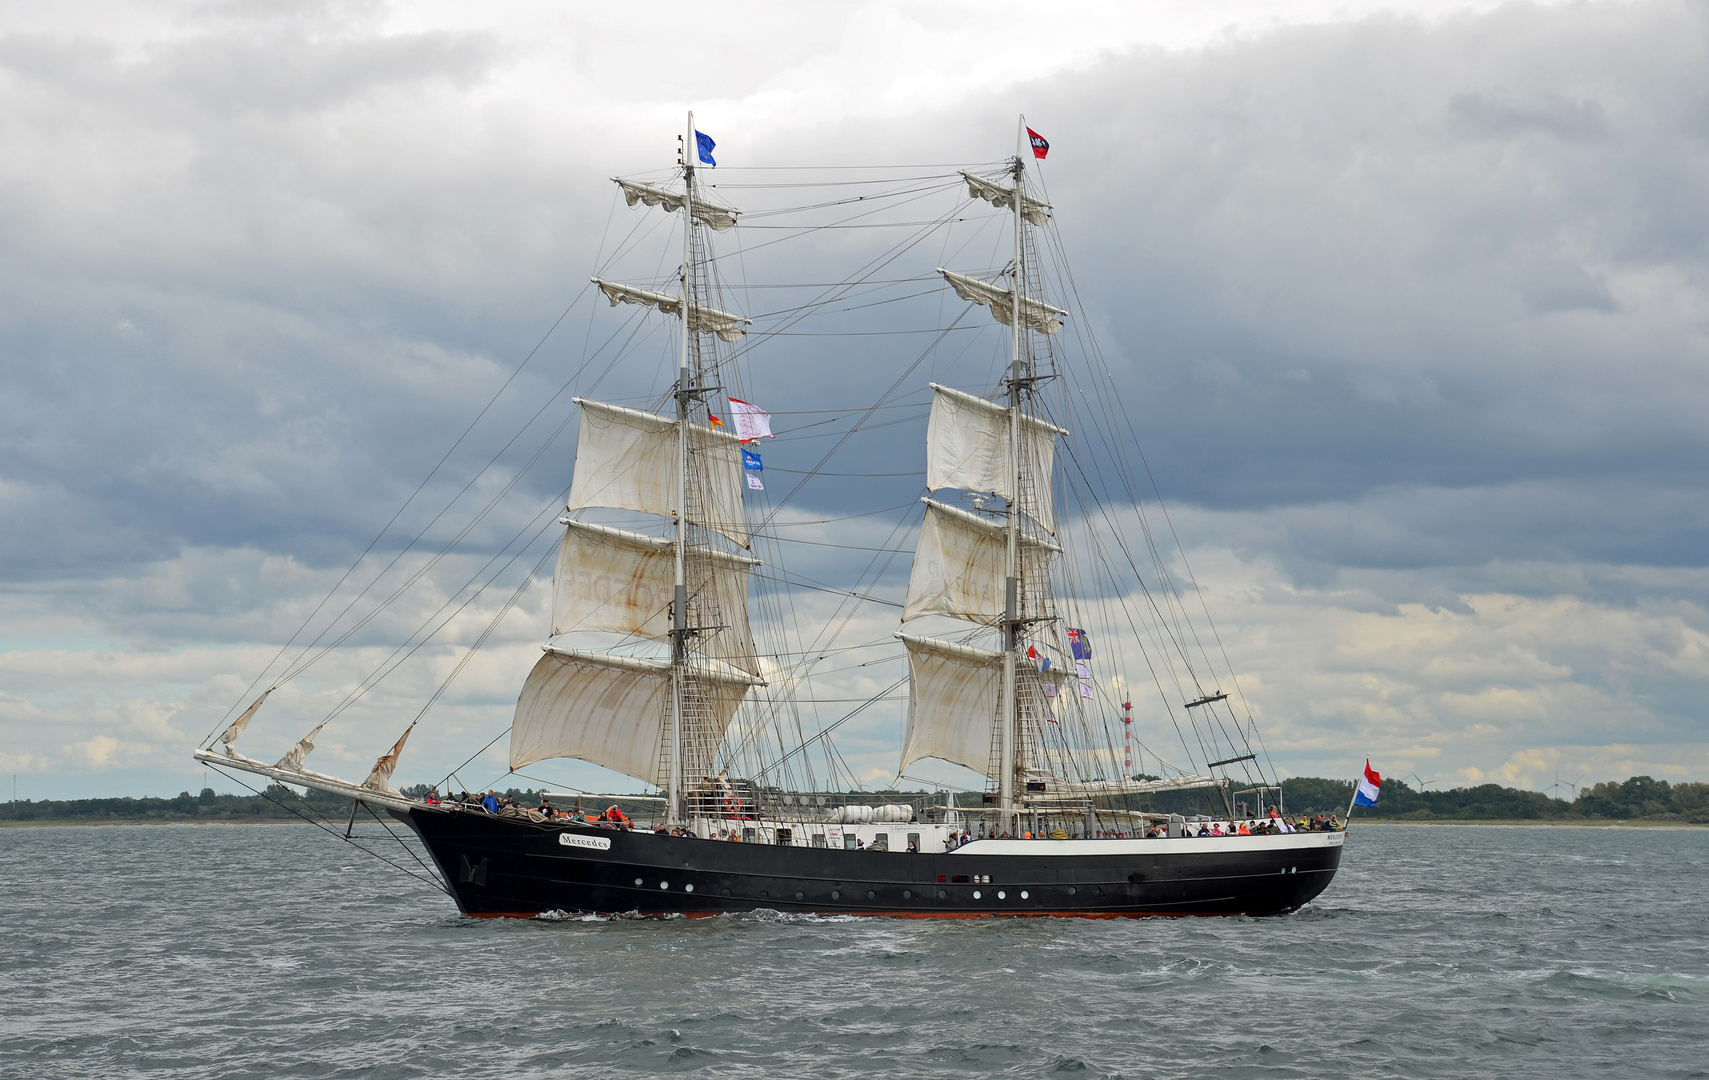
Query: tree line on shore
point(1640, 798)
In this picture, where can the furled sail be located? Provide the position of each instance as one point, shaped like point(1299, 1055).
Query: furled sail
point(296, 755)
point(701, 319)
point(622, 582)
point(719, 218)
point(230, 735)
point(1035, 314)
point(610, 710)
point(967, 447)
point(959, 566)
point(994, 193)
point(628, 459)
point(381, 778)
point(952, 702)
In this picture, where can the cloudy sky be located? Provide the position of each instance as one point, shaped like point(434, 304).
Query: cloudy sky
point(1408, 303)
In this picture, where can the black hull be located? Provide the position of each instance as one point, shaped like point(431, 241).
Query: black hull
point(508, 867)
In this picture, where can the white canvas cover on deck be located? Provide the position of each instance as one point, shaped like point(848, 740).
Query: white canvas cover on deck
point(627, 459)
point(701, 318)
point(967, 447)
point(1035, 314)
point(622, 582)
point(607, 709)
point(959, 566)
point(952, 702)
point(999, 196)
point(720, 218)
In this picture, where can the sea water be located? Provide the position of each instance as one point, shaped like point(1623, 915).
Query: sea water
point(280, 951)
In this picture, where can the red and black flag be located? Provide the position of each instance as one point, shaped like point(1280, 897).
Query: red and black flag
point(1040, 147)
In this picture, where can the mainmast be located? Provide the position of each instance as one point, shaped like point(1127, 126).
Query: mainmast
point(968, 704)
point(1009, 710)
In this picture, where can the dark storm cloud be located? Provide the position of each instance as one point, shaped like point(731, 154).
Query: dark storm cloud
point(1409, 312)
point(1325, 262)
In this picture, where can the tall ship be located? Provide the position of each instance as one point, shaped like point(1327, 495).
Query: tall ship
point(1026, 625)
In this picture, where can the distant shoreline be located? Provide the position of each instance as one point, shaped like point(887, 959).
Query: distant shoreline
point(76, 823)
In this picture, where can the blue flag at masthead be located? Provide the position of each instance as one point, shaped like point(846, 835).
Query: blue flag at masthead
point(703, 142)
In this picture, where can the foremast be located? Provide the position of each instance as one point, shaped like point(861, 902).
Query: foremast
point(685, 398)
point(663, 720)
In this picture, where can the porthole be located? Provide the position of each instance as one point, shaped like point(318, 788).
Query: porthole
point(1070, 890)
point(690, 888)
point(1001, 895)
point(638, 881)
point(764, 895)
point(1023, 894)
point(976, 894)
point(664, 884)
point(907, 894)
point(835, 895)
point(726, 892)
point(943, 894)
point(870, 895)
point(1096, 889)
point(798, 896)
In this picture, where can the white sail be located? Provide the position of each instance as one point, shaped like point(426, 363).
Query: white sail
point(959, 566)
point(380, 779)
point(1035, 314)
point(230, 735)
point(622, 582)
point(607, 709)
point(628, 459)
point(967, 447)
point(296, 755)
point(952, 704)
point(1034, 210)
point(719, 218)
point(701, 319)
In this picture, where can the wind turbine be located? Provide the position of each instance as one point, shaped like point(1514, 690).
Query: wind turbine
point(1557, 785)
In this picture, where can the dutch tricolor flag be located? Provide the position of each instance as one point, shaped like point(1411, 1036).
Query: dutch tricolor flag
point(1366, 795)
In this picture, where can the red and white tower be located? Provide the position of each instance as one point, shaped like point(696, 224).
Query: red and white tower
point(1127, 737)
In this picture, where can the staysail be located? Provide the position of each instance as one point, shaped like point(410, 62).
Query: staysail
point(230, 735)
point(296, 755)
